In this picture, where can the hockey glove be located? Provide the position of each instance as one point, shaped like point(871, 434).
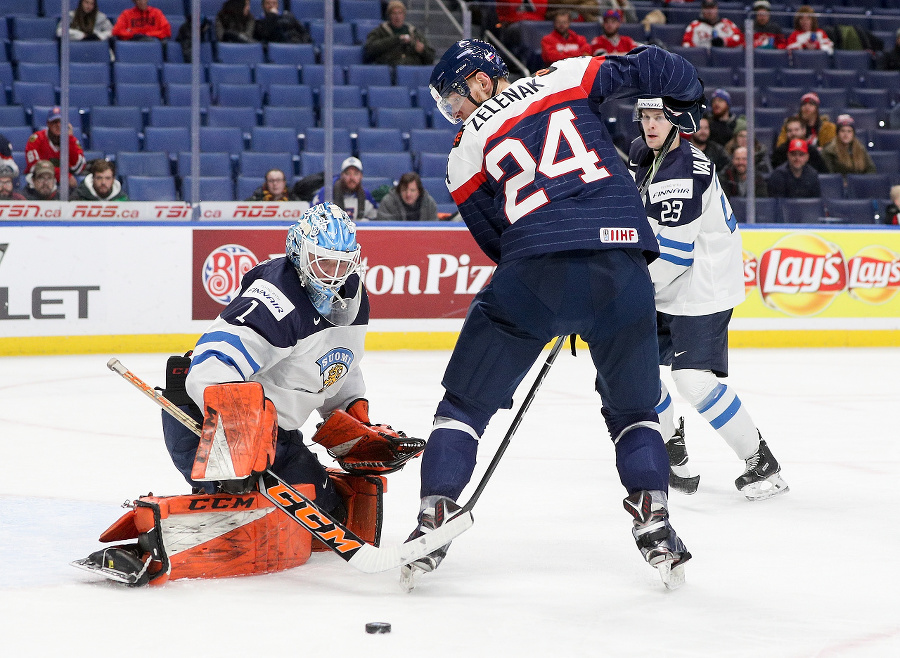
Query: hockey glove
point(362, 448)
point(685, 115)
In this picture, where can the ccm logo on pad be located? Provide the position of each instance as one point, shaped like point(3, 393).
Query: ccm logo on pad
point(619, 235)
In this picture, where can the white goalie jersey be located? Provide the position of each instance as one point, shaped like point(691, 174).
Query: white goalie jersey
point(700, 268)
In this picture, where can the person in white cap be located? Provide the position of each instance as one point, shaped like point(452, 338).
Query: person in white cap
point(349, 194)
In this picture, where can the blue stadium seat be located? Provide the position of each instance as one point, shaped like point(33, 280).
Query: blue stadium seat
point(247, 54)
point(140, 52)
point(669, 34)
point(696, 56)
point(277, 74)
point(352, 118)
point(19, 7)
point(267, 139)
point(125, 73)
point(32, 28)
point(244, 118)
point(92, 73)
point(766, 210)
point(178, 94)
point(171, 8)
point(868, 186)
point(365, 75)
point(230, 95)
point(434, 141)
point(89, 51)
point(238, 74)
point(343, 33)
point(309, 10)
point(817, 60)
point(405, 119)
point(761, 76)
point(783, 97)
point(212, 188)
point(296, 54)
point(211, 164)
point(257, 164)
point(34, 72)
point(801, 211)
point(379, 140)
point(715, 76)
point(117, 117)
point(874, 99)
point(170, 139)
point(836, 98)
point(362, 27)
point(775, 59)
point(808, 79)
point(172, 52)
point(432, 164)
point(391, 165)
point(12, 115)
point(343, 96)
point(352, 10)
point(882, 79)
point(174, 117)
point(247, 185)
point(18, 136)
point(89, 95)
point(852, 60)
point(229, 140)
point(886, 162)
point(344, 55)
point(38, 52)
point(387, 97)
point(732, 57)
point(6, 76)
point(841, 79)
point(851, 211)
point(39, 117)
point(290, 95)
point(832, 186)
point(314, 75)
point(314, 140)
point(140, 95)
point(151, 188)
point(181, 74)
point(112, 140)
point(312, 162)
point(864, 119)
point(437, 188)
point(33, 93)
point(298, 118)
point(142, 163)
point(416, 76)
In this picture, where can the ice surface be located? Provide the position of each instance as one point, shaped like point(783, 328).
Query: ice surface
point(549, 568)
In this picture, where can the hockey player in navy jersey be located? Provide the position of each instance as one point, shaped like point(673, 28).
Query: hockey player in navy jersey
point(536, 178)
point(698, 280)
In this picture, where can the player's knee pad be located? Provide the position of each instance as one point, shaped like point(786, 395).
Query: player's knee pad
point(695, 386)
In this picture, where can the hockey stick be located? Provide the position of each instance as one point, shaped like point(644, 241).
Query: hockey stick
point(319, 523)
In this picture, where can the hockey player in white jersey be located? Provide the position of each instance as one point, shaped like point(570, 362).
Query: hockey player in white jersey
point(698, 280)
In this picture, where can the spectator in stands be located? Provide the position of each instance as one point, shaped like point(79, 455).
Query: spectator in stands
point(761, 160)
point(274, 188)
point(715, 152)
point(9, 177)
point(766, 32)
point(624, 7)
point(397, 42)
point(561, 42)
point(409, 201)
point(818, 129)
point(710, 30)
point(100, 184)
point(185, 35)
point(86, 23)
point(806, 34)
point(795, 179)
point(721, 121)
point(43, 145)
point(142, 23)
point(734, 177)
point(6, 152)
point(42, 182)
point(892, 211)
point(235, 23)
point(348, 192)
point(891, 60)
point(279, 26)
point(846, 154)
point(794, 128)
point(611, 42)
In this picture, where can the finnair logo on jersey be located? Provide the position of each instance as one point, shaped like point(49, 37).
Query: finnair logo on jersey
point(677, 188)
point(334, 365)
point(272, 298)
point(618, 235)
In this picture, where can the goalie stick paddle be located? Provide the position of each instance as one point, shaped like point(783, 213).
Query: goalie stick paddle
point(319, 523)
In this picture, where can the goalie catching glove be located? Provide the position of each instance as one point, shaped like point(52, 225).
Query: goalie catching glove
point(361, 447)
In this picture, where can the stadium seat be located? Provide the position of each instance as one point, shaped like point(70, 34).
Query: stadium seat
point(173, 53)
point(775, 59)
point(34, 72)
point(437, 188)
point(390, 165)
point(309, 10)
point(669, 34)
point(30, 94)
point(170, 139)
point(257, 164)
point(766, 210)
point(142, 163)
point(404, 119)
point(125, 73)
point(783, 97)
point(266, 139)
point(179, 94)
point(164, 115)
point(39, 116)
point(311, 163)
point(229, 140)
point(37, 52)
point(414, 76)
point(864, 119)
point(352, 118)
point(832, 186)
point(244, 118)
point(808, 79)
point(151, 188)
point(90, 73)
point(140, 52)
point(732, 57)
point(89, 51)
point(696, 56)
point(348, 96)
point(886, 140)
point(851, 211)
point(852, 60)
point(140, 95)
point(352, 10)
point(32, 28)
point(886, 162)
point(212, 164)
point(840, 79)
point(112, 140)
point(245, 54)
point(268, 75)
point(237, 74)
point(230, 95)
point(379, 140)
point(247, 185)
point(388, 97)
point(294, 95)
point(432, 165)
point(883, 80)
point(18, 136)
point(117, 117)
point(874, 99)
point(298, 118)
point(212, 188)
point(314, 140)
point(6, 76)
point(715, 76)
point(12, 115)
point(362, 27)
point(818, 60)
point(314, 75)
point(90, 95)
point(761, 77)
point(365, 75)
point(344, 55)
point(343, 33)
point(173, 73)
point(801, 211)
point(434, 141)
point(868, 186)
point(19, 7)
point(296, 54)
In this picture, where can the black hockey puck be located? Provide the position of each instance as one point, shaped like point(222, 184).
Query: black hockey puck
point(378, 627)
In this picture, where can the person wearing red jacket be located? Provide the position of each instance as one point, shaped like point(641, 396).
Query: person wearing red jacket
point(611, 42)
point(710, 30)
point(562, 43)
point(44, 145)
point(142, 23)
point(513, 11)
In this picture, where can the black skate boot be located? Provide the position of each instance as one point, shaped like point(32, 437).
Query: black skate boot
point(122, 563)
point(679, 476)
point(655, 536)
point(434, 512)
point(761, 480)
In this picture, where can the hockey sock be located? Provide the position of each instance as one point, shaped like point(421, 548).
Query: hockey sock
point(449, 459)
point(666, 411)
point(642, 460)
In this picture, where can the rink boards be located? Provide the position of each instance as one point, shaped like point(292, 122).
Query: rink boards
point(154, 286)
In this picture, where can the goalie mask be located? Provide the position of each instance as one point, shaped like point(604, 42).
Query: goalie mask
point(461, 61)
point(323, 249)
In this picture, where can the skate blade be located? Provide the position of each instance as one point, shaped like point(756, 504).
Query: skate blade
point(768, 488)
point(111, 574)
point(408, 578)
point(687, 485)
point(672, 577)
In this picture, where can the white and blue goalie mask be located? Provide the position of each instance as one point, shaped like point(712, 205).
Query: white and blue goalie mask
point(322, 248)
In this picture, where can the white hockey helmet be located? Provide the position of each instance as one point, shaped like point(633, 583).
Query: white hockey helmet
point(646, 104)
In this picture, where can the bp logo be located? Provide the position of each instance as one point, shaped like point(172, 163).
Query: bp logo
point(223, 270)
point(334, 365)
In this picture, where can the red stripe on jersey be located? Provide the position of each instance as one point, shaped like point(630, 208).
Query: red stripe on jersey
point(465, 190)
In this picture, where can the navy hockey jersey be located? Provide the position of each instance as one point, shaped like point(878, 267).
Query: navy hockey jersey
point(534, 169)
point(272, 334)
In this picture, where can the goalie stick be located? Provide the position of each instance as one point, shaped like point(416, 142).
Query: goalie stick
point(319, 523)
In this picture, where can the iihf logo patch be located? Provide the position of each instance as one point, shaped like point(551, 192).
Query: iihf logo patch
point(223, 270)
point(334, 365)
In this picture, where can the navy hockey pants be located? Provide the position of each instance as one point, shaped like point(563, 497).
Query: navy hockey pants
point(606, 297)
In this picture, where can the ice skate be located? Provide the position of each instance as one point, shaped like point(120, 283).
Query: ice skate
point(679, 476)
point(761, 480)
point(120, 563)
point(434, 512)
point(655, 536)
